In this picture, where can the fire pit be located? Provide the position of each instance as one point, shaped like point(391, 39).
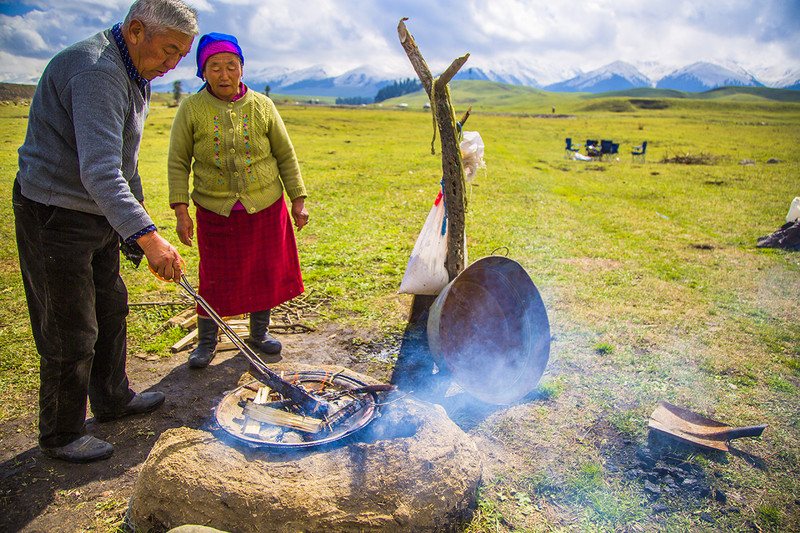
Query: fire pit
point(409, 469)
point(247, 414)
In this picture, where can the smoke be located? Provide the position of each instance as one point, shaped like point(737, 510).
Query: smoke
point(488, 342)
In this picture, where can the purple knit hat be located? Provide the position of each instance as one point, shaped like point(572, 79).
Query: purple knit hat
point(216, 43)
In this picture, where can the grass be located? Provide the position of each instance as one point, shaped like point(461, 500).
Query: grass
point(649, 271)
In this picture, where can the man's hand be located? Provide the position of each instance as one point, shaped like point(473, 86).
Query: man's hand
point(162, 257)
point(185, 224)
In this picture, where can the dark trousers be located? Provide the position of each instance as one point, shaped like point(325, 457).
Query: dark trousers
point(78, 305)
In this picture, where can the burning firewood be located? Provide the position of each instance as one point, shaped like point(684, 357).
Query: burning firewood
point(278, 417)
point(251, 425)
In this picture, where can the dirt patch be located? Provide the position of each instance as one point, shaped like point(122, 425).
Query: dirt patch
point(41, 494)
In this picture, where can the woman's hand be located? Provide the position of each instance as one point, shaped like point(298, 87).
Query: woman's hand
point(299, 213)
point(185, 226)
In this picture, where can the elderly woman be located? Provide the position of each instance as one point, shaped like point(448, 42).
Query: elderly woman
point(233, 142)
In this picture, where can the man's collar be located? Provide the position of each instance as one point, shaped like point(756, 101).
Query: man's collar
point(116, 31)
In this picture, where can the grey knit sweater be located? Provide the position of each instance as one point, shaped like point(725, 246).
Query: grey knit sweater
point(84, 130)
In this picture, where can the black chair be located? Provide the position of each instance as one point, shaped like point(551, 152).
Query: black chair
point(614, 150)
point(605, 148)
point(570, 148)
point(639, 151)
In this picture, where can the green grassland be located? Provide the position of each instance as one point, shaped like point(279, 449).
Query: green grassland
point(649, 272)
point(499, 97)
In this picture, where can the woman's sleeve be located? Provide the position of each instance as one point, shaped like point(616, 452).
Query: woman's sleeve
point(179, 162)
point(283, 151)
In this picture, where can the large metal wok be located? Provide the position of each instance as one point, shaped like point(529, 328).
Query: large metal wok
point(489, 328)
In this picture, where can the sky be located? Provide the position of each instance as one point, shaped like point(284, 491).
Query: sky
point(551, 38)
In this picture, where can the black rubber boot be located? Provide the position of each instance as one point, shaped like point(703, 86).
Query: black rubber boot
point(202, 355)
point(259, 334)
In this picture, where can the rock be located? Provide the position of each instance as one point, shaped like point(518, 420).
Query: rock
point(632, 474)
point(707, 517)
point(660, 508)
point(747, 162)
point(773, 160)
point(412, 469)
point(720, 496)
point(652, 490)
point(661, 471)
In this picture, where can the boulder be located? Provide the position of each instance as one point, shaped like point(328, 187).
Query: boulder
point(411, 469)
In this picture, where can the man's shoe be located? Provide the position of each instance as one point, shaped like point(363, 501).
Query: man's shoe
point(141, 403)
point(84, 450)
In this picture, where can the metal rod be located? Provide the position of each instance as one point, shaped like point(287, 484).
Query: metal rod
point(299, 396)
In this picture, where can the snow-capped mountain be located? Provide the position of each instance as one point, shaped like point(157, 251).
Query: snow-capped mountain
point(702, 76)
point(616, 76)
point(365, 81)
point(477, 73)
point(515, 72)
point(791, 81)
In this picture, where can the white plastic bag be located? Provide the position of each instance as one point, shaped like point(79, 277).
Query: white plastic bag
point(472, 149)
point(425, 272)
point(794, 210)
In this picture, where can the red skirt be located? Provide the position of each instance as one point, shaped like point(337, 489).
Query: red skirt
point(247, 262)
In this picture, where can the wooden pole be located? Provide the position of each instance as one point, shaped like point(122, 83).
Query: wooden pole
point(453, 182)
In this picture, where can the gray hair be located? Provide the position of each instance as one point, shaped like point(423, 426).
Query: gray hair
point(162, 15)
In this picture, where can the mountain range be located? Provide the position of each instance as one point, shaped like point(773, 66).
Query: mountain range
point(365, 81)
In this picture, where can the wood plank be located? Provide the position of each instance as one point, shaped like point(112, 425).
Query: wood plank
point(181, 344)
point(178, 319)
point(189, 322)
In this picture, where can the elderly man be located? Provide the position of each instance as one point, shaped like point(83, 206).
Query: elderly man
point(78, 190)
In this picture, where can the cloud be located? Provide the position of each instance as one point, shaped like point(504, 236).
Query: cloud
point(544, 35)
point(17, 69)
point(48, 27)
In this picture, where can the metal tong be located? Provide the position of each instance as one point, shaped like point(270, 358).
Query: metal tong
point(298, 396)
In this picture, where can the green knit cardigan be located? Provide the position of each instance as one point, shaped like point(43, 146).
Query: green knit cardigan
point(234, 151)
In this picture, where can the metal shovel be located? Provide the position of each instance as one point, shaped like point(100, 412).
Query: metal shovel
point(690, 427)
